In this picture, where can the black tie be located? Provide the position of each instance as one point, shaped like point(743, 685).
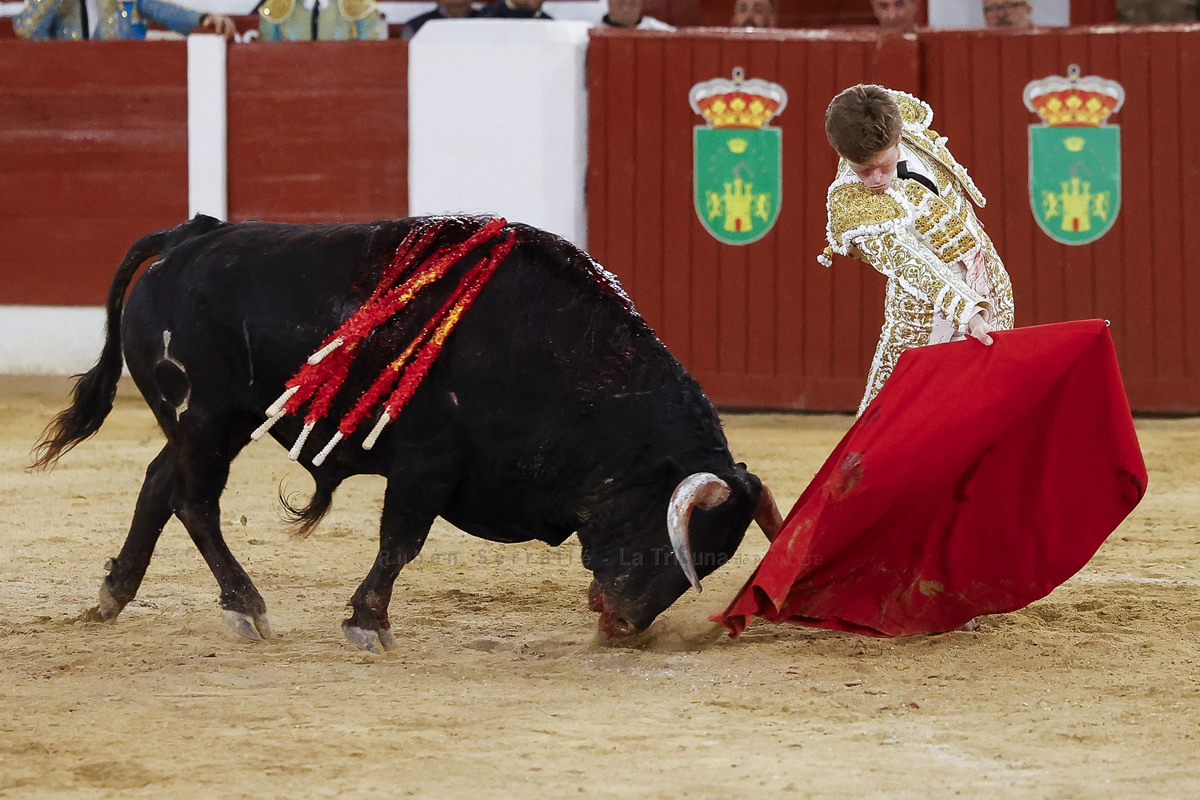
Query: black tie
point(902, 172)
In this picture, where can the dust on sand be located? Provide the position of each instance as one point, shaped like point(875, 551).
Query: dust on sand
point(497, 686)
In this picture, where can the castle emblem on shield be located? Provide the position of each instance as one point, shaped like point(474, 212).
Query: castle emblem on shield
point(737, 156)
point(1074, 155)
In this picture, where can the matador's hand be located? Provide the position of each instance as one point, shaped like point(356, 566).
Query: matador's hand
point(220, 25)
point(979, 328)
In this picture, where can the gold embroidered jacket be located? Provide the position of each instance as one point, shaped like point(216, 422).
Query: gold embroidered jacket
point(925, 243)
point(307, 20)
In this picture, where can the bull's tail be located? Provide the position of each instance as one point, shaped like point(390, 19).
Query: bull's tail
point(94, 392)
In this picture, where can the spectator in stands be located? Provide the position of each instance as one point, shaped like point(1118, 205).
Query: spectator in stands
point(1007, 13)
point(515, 9)
point(628, 14)
point(1141, 12)
point(313, 20)
point(446, 9)
point(107, 19)
point(897, 16)
point(753, 14)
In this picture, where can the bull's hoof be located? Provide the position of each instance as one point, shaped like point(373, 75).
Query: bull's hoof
point(372, 640)
point(107, 608)
point(254, 627)
point(96, 614)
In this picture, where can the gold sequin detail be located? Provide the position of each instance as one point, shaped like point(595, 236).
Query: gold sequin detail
point(853, 206)
point(912, 110)
point(277, 10)
point(354, 10)
point(939, 225)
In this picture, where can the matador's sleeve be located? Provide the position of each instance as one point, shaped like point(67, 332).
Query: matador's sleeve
point(36, 19)
point(169, 15)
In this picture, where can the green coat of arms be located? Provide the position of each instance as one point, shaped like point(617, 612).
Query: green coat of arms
point(737, 157)
point(1074, 156)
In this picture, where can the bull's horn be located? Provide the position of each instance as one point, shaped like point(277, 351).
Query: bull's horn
point(701, 489)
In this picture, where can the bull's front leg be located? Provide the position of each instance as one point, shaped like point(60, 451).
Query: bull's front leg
point(403, 528)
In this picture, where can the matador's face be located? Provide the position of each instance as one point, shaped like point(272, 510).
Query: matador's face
point(878, 172)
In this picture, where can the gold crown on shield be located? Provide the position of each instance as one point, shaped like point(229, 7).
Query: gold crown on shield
point(1073, 101)
point(738, 103)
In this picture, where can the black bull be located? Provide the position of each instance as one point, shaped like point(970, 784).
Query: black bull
point(552, 409)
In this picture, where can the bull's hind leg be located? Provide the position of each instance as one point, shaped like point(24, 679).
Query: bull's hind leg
point(150, 515)
point(408, 513)
point(197, 504)
point(179, 486)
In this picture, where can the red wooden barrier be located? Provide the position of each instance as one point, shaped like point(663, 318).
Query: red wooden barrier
point(93, 154)
point(93, 148)
point(319, 131)
point(1093, 12)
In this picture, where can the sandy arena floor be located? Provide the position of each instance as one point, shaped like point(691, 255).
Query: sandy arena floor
point(497, 687)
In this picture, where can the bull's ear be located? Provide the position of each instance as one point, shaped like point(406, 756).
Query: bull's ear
point(766, 512)
point(666, 470)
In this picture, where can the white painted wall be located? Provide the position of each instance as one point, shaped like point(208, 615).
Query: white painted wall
point(969, 13)
point(208, 145)
point(498, 122)
point(50, 340)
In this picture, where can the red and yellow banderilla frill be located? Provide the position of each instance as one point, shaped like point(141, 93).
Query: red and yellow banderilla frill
point(411, 271)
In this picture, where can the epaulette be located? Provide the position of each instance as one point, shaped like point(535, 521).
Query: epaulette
point(354, 10)
point(855, 211)
point(914, 112)
point(276, 11)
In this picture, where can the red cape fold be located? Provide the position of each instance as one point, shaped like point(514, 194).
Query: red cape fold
point(978, 479)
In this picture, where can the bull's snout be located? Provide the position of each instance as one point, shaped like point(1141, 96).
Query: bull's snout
point(613, 625)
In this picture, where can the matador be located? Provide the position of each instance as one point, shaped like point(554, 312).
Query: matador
point(903, 204)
